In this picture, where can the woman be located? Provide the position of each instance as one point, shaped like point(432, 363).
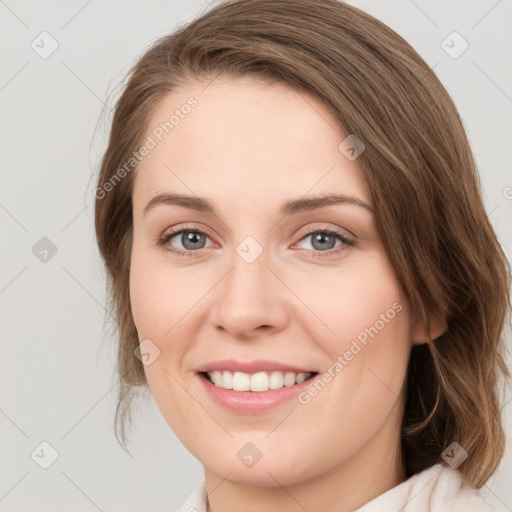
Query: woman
point(302, 268)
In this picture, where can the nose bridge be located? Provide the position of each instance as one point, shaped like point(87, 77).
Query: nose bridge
point(248, 296)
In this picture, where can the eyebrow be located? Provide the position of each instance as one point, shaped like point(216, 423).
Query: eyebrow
point(288, 208)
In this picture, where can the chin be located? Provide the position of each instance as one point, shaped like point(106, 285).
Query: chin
point(271, 471)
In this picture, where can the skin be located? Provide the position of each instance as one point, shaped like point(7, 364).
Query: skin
point(248, 147)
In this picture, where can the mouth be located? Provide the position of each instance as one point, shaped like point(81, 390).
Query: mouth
point(254, 387)
point(254, 393)
point(259, 382)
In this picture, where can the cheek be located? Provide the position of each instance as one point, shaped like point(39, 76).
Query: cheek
point(360, 301)
point(160, 301)
point(160, 298)
point(146, 299)
point(370, 315)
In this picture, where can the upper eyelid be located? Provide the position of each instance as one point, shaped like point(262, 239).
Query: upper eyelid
point(314, 229)
point(205, 230)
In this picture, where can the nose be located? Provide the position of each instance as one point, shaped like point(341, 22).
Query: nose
point(250, 301)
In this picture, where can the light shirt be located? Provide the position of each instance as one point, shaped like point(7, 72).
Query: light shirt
point(435, 489)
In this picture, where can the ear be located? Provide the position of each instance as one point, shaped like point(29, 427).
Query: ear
point(438, 326)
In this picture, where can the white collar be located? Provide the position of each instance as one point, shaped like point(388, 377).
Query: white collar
point(436, 489)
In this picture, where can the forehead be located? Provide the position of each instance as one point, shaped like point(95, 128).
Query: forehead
point(245, 138)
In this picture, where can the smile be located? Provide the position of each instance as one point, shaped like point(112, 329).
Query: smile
point(253, 393)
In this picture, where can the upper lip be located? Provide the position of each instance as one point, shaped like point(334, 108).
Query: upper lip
point(260, 365)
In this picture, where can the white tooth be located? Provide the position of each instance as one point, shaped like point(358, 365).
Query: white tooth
point(276, 380)
point(241, 381)
point(259, 381)
point(216, 377)
point(289, 379)
point(301, 377)
point(227, 380)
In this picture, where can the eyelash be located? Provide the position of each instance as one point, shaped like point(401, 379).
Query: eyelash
point(347, 242)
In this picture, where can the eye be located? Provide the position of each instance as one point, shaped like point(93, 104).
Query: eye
point(191, 240)
point(323, 242)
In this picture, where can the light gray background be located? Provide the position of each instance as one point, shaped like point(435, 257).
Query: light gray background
point(56, 361)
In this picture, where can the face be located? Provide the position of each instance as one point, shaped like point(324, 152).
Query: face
point(273, 295)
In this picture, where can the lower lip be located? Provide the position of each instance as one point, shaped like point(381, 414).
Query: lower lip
point(253, 402)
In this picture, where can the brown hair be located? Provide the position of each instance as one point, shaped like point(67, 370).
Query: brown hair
point(424, 186)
